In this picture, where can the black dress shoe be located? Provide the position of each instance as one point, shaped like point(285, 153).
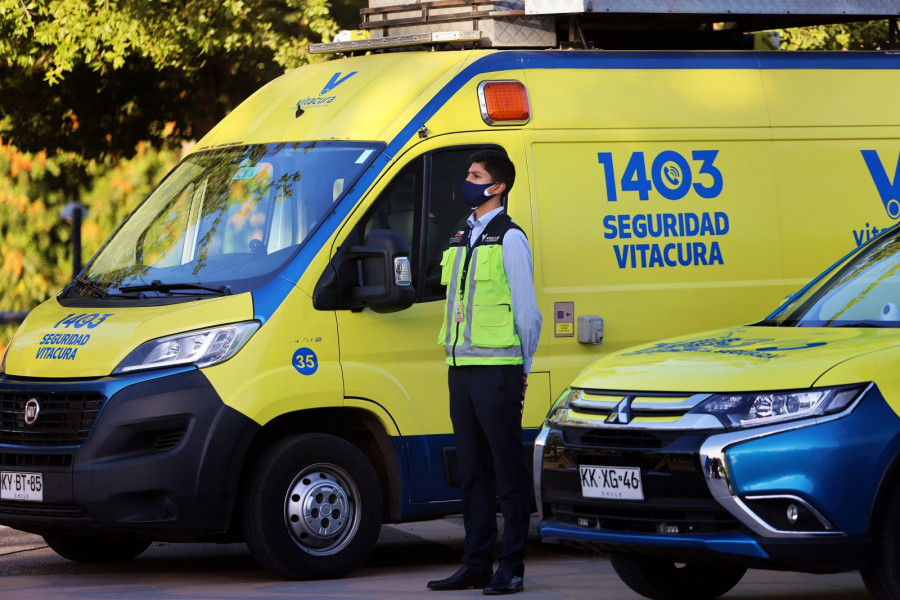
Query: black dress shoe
point(463, 579)
point(504, 582)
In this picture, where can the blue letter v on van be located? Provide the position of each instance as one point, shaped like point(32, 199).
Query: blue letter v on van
point(887, 189)
point(335, 81)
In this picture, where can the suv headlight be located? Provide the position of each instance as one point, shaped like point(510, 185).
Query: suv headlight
point(737, 411)
point(561, 404)
point(202, 348)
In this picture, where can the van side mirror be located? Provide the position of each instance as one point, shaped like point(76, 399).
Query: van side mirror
point(386, 272)
point(376, 275)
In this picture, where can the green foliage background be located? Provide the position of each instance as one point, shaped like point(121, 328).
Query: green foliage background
point(35, 243)
point(848, 36)
point(102, 75)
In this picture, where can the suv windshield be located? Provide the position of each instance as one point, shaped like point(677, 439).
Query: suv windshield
point(862, 291)
point(225, 221)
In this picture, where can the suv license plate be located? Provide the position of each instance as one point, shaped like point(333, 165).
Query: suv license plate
point(614, 483)
point(21, 486)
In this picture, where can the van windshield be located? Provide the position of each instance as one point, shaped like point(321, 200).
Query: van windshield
point(225, 220)
point(863, 291)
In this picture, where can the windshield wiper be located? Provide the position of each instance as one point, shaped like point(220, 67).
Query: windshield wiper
point(91, 286)
point(158, 286)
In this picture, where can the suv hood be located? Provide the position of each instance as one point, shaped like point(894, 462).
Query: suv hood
point(736, 359)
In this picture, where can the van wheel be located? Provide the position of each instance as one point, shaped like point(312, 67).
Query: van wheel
point(313, 508)
point(666, 580)
point(881, 575)
point(90, 549)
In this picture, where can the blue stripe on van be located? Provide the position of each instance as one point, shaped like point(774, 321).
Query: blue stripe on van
point(267, 299)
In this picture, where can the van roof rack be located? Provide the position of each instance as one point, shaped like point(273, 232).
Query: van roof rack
point(613, 24)
point(397, 41)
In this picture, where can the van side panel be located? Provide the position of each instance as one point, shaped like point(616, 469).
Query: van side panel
point(656, 266)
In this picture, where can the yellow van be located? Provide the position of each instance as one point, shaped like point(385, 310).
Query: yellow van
point(774, 445)
point(251, 355)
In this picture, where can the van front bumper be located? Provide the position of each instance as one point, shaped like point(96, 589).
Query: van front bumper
point(154, 454)
point(722, 496)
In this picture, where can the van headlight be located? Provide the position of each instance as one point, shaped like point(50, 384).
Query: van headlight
point(560, 405)
point(737, 411)
point(202, 348)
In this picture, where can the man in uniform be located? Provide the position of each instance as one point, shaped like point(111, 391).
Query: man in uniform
point(490, 332)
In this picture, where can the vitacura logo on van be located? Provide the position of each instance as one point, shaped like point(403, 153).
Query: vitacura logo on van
point(888, 189)
point(323, 97)
point(665, 239)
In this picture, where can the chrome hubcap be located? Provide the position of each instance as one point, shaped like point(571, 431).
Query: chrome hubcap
point(321, 509)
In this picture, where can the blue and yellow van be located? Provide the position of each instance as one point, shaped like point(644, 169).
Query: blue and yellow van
point(252, 354)
point(774, 445)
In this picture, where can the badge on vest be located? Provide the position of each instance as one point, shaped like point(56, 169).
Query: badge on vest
point(457, 311)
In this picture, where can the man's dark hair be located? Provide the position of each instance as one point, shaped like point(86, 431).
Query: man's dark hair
point(498, 166)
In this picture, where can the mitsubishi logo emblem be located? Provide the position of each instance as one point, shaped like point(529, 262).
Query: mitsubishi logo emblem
point(32, 410)
point(621, 414)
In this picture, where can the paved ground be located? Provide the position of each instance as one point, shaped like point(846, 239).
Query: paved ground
point(407, 556)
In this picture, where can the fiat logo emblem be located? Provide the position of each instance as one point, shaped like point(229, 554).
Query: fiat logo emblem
point(32, 410)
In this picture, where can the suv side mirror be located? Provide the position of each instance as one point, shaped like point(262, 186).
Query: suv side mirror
point(377, 275)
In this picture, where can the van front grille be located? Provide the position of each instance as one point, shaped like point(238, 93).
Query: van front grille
point(63, 419)
point(19, 459)
point(40, 509)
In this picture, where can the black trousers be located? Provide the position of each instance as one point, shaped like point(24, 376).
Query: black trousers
point(486, 410)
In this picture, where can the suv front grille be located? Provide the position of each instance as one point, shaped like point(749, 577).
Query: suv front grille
point(699, 517)
point(63, 420)
point(620, 438)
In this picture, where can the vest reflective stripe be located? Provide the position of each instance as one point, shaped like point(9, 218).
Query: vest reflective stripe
point(486, 309)
point(451, 262)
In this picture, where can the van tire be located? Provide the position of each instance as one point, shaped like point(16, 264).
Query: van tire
point(284, 526)
point(881, 575)
point(659, 579)
point(91, 549)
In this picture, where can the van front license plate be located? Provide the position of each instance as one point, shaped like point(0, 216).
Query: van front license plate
point(613, 483)
point(21, 486)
